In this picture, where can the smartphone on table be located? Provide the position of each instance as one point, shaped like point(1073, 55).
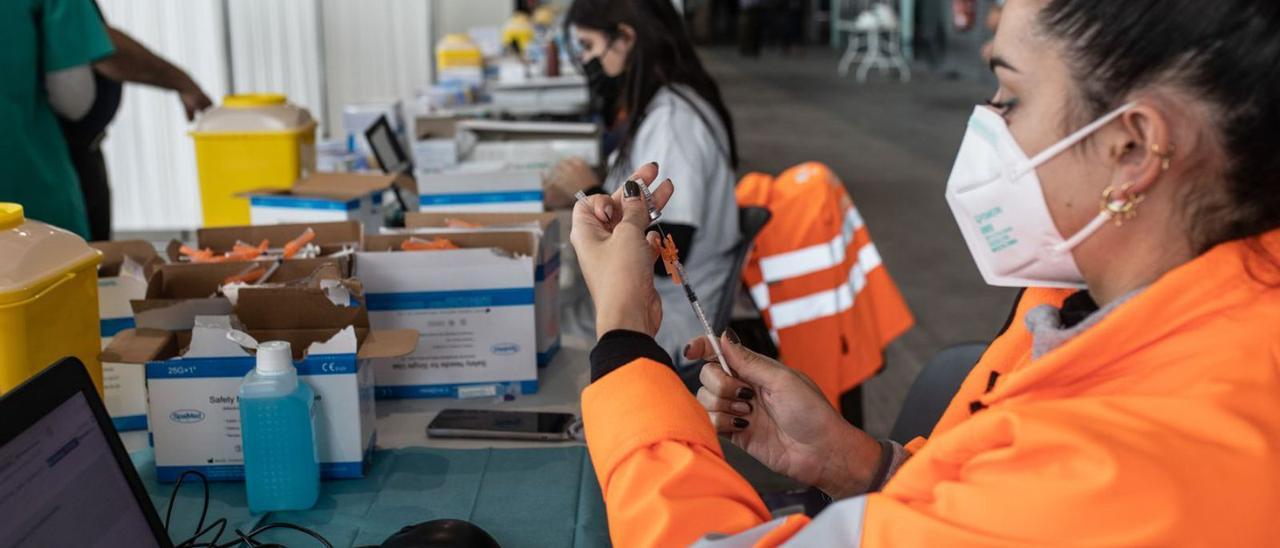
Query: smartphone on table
point(501, 425)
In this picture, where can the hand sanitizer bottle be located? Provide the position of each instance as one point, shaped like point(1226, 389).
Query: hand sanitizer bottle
point(278, 434)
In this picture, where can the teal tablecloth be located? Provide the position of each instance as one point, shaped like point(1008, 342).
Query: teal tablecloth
point(522, 497)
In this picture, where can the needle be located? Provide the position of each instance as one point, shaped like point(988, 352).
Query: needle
point(702, 317)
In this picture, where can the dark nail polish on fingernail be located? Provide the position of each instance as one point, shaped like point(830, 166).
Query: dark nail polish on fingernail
point(631, 189)
point(655, 165)
point(686, 350)
point(741, 423)
point(746, 394)
point(732, 336)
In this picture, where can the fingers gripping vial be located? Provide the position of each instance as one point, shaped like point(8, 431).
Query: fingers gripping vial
point(671, 260)
point(654, 212)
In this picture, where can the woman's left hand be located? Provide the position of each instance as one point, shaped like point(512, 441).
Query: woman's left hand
point(780, 417)
point(616, 256)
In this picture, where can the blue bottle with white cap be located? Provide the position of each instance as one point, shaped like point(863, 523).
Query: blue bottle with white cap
point(277, 433)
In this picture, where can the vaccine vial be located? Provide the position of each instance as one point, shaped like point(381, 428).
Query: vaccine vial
point(654, 214)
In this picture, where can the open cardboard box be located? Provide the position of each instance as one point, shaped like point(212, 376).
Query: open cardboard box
point(122, 277)
point(434, 146)
point(322, 197)
point(474, 309)
point(331, 237)
point(547, 267)
point(193, 377)
point(177, 293)
point(435, 126)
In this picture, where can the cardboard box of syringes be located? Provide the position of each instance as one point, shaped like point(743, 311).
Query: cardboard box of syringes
point(193, 373)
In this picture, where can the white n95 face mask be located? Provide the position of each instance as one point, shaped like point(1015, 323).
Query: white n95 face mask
point(996, 198)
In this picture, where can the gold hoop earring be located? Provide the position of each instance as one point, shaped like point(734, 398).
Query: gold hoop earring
point(1166, 157)
point(1121, 204)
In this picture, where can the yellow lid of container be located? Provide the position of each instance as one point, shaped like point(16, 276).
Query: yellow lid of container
point(36, 255)
point(519, 30)
point(254, 113)
point(544, 16)
point(457, 50)
point(10, 215)
point(254, 100)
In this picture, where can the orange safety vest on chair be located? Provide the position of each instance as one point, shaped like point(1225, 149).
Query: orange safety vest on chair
point(817, 278)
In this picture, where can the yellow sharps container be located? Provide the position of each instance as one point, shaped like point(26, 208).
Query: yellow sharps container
point(251, 142)
point(48, 299)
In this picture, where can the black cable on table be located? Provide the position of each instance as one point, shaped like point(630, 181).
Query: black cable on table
point(173, 496)
point(221, 523)
point(248, 538)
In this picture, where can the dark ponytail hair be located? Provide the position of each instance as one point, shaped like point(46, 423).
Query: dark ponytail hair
point(662, 55)
point(1224, 53)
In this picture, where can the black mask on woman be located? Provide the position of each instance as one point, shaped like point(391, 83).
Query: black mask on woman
point(605, 89)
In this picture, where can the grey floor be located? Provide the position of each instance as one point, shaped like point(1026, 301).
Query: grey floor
point(893, 145)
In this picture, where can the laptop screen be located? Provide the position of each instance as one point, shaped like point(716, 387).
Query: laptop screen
point(386, 148)
point(60, 485)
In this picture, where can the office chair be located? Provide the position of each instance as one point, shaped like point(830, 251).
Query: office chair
point(933, 390)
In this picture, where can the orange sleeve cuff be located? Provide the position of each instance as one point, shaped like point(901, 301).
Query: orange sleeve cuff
point(636, 406)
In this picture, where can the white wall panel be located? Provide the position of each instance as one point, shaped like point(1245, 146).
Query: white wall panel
point(376, 51)
point(150, 158)
point(460, 15)
point(276, 48)
point(322, 53)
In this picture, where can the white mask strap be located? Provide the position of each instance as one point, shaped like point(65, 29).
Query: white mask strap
point(1096, 224)
point(1074, 139)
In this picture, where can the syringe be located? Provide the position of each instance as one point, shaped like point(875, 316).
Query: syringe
point(697, 311)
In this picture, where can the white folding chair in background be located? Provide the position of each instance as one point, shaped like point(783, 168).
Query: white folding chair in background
point(874, 38)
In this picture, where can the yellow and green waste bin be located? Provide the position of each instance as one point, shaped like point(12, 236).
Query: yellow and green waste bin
point(250, 142)
point(48, 299)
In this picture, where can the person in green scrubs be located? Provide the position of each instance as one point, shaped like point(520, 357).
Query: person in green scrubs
point(42, 37)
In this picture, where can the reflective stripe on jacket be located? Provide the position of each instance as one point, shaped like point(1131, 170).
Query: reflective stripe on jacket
point(1158, 426)
point(817, 278)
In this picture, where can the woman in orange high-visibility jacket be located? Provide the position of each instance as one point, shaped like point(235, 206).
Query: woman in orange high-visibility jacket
point(1143, 410)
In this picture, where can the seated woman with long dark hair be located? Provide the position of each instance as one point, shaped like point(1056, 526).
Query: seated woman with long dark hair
point(640, 61)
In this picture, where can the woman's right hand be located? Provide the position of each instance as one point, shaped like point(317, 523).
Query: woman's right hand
point(566, 178)
point(777, 415)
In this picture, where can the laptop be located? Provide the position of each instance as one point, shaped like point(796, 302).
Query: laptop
point(65, 478)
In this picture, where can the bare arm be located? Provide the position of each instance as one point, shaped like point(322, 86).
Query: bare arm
point(133, 62)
